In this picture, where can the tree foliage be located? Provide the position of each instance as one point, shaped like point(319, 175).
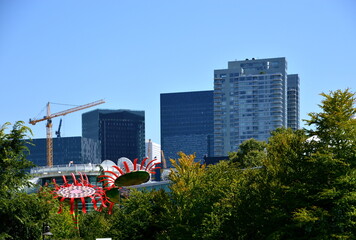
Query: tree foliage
point(22, 215)
point(17, 210)
point(333, 158)
point(306, 188)
point(13, 162)
point(299, 185)
point(251, 153)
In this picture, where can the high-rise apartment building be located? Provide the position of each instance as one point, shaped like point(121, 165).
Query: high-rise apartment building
point(187, 124)
point(251, 100)
point(293, 101)
point(120, 133)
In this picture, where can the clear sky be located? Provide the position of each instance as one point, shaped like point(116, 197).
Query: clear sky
point(128, 52)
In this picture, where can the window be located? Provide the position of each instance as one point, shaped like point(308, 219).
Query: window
point(275, 64)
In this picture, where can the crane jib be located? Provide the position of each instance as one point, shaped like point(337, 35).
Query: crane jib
point(49, 125)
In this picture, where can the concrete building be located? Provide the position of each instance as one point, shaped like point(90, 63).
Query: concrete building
point(120, 133)
point(251, 100)
point(187, 124)
point(153, 150)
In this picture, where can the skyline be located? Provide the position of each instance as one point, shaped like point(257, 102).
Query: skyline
point(128, 53)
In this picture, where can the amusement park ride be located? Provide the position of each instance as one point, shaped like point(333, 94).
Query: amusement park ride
point(49, 117)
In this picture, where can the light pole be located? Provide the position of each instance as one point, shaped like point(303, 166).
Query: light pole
point(46, 232)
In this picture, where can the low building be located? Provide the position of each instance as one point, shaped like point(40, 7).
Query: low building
point(66, 150)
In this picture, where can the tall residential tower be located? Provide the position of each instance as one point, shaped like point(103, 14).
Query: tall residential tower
point(252, 98)
point(293, 101)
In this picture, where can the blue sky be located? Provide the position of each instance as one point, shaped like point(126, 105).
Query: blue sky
point(128, 52)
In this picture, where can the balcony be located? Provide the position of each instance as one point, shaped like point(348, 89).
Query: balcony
point(276, 96)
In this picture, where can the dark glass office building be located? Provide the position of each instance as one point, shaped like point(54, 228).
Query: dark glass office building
point(65, 150)
point(187, 124)
point(120, 133)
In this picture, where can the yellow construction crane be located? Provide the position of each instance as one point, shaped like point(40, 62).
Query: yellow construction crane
point(49, 117)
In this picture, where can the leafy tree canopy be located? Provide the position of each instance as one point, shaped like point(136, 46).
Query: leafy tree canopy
point(303, 188)
point(13, 163)
point(251, 153)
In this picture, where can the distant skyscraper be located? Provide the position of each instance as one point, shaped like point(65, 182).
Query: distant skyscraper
point(153, 150)
point(250, 100)
point(293, 101)
point(120, 133)
point(76, 150)
point(187, 123)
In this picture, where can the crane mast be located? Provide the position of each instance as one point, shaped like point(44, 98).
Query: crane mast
point(49, 116)
point(49, 142)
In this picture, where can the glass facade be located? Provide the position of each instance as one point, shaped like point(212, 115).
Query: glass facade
point(293, 101)
point(250, 100)
point(65, 150)
point(121, 133)
point(187, 124)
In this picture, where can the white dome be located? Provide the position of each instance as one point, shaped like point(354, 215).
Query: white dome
point(107, 164)
point(120, 163)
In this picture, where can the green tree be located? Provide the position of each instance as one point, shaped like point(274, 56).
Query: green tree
point(13, 162)
point(290, 178)
point(333, 157)
point(306, 189)
point(239, 212)
point(312, 181)
point(62, 225)
point(19, 218)
point(96, 225)
point(251, 153)
point(194, 191)
point(182, 215)
point(22, 215)
point(138, 217)
point(335, 126)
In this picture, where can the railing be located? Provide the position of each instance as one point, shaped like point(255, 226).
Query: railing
point(66, 168)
